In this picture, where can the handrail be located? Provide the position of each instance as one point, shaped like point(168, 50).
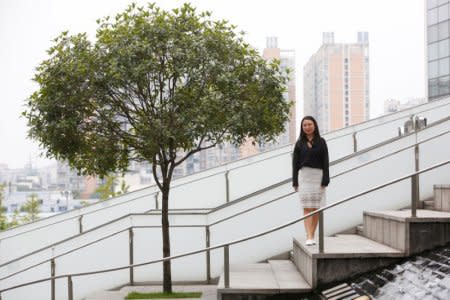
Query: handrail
point(210, 211)
point(227, 244)
point(406, 110)
point(236, 161)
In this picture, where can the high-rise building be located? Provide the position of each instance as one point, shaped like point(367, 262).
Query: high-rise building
point(438, 40)
point(336, 83)
point(287, 62)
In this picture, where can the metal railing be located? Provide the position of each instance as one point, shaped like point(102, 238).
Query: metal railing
point(354, 130)
point(207, 227)
point(226, 246)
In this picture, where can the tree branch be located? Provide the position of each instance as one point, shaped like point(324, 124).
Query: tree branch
point(155, 175)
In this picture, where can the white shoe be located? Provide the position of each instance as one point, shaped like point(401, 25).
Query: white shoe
point(310, 242)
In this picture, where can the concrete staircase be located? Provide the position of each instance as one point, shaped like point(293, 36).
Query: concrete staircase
point(276, 277)
point(385, 237)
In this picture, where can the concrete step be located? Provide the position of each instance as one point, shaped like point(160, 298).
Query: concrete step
point(277, 277)
point(360, 229)
point(399, 230)
point(441, 197)
point(344, 255)
point(428, 204)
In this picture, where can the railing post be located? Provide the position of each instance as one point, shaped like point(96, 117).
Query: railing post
point(208, 255)
point(355, 142)
point(227, 186)
point(70, 287)
point(80, 223)
point(131, 252)
point(415, 184)
point(226, 258)
point(52, 272)
point(321, 232)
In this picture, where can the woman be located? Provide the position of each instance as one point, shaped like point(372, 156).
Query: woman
point(311, 158)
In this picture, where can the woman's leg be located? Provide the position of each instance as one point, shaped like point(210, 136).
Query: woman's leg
point(314, 222)
point(308, 224)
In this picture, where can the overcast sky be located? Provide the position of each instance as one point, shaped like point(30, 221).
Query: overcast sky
point(396, 43)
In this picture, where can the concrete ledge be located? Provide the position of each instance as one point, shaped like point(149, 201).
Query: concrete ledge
point(423, 215)
point(344, 256)
point(442, 197)
point(349, 246)
point(397, 229)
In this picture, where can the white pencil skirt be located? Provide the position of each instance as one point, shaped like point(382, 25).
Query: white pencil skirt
point(312, 194)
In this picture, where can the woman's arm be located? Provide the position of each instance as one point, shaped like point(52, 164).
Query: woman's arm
point(295, 163)
point(325, 164)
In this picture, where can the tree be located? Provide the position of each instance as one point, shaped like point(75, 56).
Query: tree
point(15, 219)
point(155, 84)
point(3, 220)
point(32, 208)
point(106, 190)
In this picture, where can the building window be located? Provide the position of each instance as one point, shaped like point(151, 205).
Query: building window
point(432, 69)
point(346, 86)
point(433, 51)
point(432, 16)
point(346, 112)
point(433, 87)
point(444, 66)
point(432, 4)
point(432, 33)
point(443, 13)
point(346, 60)
point(443, 30)
point(444, 85)
point(346, 105)
point(443, 48)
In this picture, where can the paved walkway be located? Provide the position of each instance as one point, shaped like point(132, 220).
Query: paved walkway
point(209, 292)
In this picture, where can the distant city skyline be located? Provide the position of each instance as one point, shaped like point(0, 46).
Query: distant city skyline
point(396, 30)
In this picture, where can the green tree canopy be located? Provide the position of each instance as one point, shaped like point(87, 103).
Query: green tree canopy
point(154, 84)
point(31, 208)
point(107, 189)
point(3, 221)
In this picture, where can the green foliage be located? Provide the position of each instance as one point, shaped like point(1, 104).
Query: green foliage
point(3, 221)
point(136, 295)
point(154, 82)
point(106, 190)
point(31, 208)
point(75, 194)
point(15, 220)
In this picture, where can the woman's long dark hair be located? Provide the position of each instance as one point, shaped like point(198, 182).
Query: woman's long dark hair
point(302, 137)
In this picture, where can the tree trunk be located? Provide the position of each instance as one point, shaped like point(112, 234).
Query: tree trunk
point(167, 281)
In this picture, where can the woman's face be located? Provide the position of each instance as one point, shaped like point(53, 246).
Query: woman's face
point(308, 127)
